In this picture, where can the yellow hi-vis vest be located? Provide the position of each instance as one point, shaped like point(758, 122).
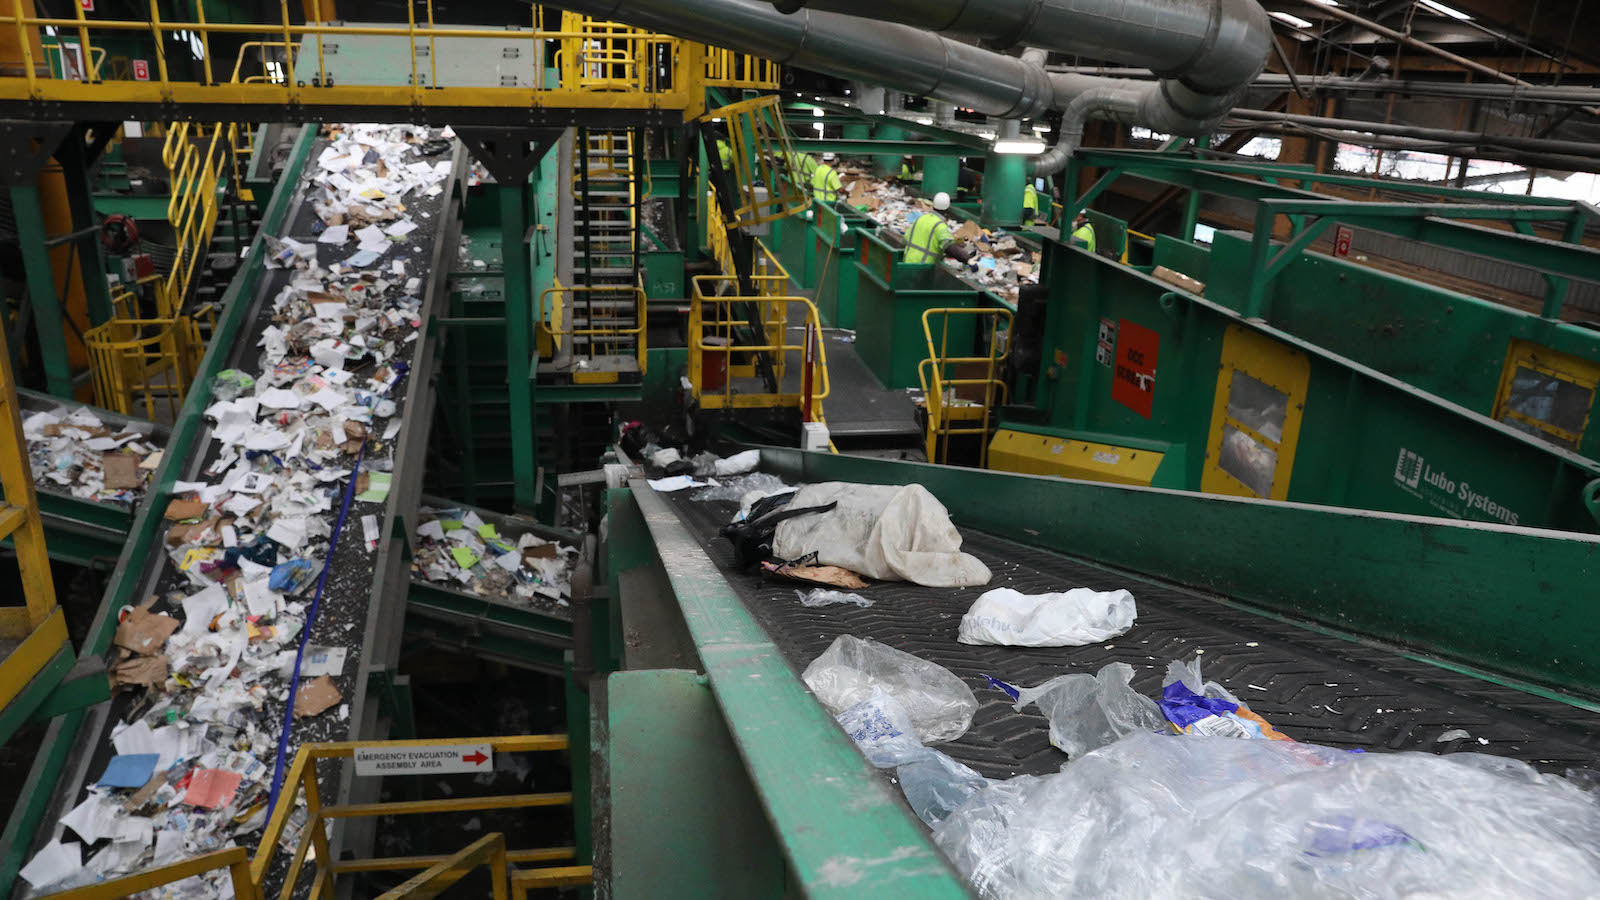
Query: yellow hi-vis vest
point(1083, 236)
point(928, 238)
point(825, 184)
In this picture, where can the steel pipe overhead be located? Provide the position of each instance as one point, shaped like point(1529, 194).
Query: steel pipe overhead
point(1211, 49)
point(1215, 45)
point(1438, 135)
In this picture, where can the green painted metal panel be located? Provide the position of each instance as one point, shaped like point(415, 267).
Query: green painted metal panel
point(940, 174)
point(1357, 424)
point(663, 274)
point(840, 830)
point(889, 333)
point(1182, 256)
point(1004, 177)
point(685, 821)
point(1516, 601)
point(148, 207)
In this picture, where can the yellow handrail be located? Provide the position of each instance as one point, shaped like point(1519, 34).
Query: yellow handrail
point(234, 859)
point(489, 850)
point(932, 373)
point(597, 334)
point(711, 316)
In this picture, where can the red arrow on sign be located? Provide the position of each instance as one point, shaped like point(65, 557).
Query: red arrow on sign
point(477, 758)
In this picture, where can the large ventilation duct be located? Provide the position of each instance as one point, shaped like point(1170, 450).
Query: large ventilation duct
point(908, 59)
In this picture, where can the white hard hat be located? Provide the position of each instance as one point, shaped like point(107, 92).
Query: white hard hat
point(941, 201)
point(829, 157)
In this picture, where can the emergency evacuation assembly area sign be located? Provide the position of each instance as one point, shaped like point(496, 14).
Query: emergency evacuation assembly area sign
point(441, 759)
point(1133, 368)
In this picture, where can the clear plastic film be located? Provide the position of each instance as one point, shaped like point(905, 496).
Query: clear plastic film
point(939, 704)
point(1156, 816)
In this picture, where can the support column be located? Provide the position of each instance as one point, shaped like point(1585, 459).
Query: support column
point(1191, 209)
point(1004, 177)
point(48, 320)
point(520, 357)
point(940, 173)
point(888, 164)
point(91, 258)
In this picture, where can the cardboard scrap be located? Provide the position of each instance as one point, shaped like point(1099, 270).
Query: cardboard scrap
point(121, 470)
point(833, 575)
point(146, 670)
point(316, 696)
point(178, 510)
point(145, 632)
point(968, 231)
point(1178, 279)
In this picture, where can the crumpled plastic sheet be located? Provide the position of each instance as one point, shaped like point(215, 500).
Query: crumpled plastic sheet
point(825, 597)
point(1087, 712)
point(736, 487)
point(1183, 816)
point(940, 704)
point(934, 784)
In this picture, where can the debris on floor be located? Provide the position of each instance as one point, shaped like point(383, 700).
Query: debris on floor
point(210, 662)
point(456, 547)
point(888, 532)
point(825, 597)
point(71, 450)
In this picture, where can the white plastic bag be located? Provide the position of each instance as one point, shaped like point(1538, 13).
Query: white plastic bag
point(889, 532)
point(1071, 619)
point(940, 704)
point(1087, 712)
point(825, 597)
point(1154, 816)
point(738, 464)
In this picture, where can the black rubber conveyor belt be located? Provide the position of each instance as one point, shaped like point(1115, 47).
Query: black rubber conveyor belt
point(1311, 685)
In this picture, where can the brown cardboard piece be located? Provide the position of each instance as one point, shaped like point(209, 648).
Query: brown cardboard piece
point(316, 696)
point(178, 510)
point(1178, 279)
point(145, 632)
point(147, 670)
point(121, 470)
point(542, 551)
point(968, 230)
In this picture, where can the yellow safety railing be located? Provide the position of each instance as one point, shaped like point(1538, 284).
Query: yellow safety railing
point(942, 389)
point(435, 873)
point(148, 362)
point(561, 303)
point(192, 211)
point(605, 66)
point(30, 620)
point(714, 328)
point(762, 154)
point(727, 68)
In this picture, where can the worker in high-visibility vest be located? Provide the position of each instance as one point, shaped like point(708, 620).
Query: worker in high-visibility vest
point(1030, 204)
point(1083, 232)
point(906, 172)
point(825, 183)
point(930, 237)
point(725, 153)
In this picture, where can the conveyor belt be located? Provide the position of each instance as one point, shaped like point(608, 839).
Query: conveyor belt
point(1312, 685)
point(349, 615)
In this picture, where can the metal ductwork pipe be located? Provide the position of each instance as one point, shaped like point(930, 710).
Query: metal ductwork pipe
point(1210, 62)
point(897, 57)
point(1215, 45)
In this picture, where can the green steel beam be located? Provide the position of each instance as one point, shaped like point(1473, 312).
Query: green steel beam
point(144, 207)
point(1005, 176)
point(939, 134)
point(1191, 206)
point(514, 219)
point(878, 147)
point(550, 394)
point(458, 604)
point(49, 320)
point(804, 768)
point(90, 259)
point(1142, 162)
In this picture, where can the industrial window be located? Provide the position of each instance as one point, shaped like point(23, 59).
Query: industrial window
point(1546, 393)
point(1255, 422)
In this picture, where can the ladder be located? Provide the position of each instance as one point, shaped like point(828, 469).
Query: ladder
point(605, 262)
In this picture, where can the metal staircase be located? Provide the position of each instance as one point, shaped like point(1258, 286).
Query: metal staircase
point(603, 309)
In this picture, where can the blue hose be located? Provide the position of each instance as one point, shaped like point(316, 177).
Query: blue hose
point(305, 634)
